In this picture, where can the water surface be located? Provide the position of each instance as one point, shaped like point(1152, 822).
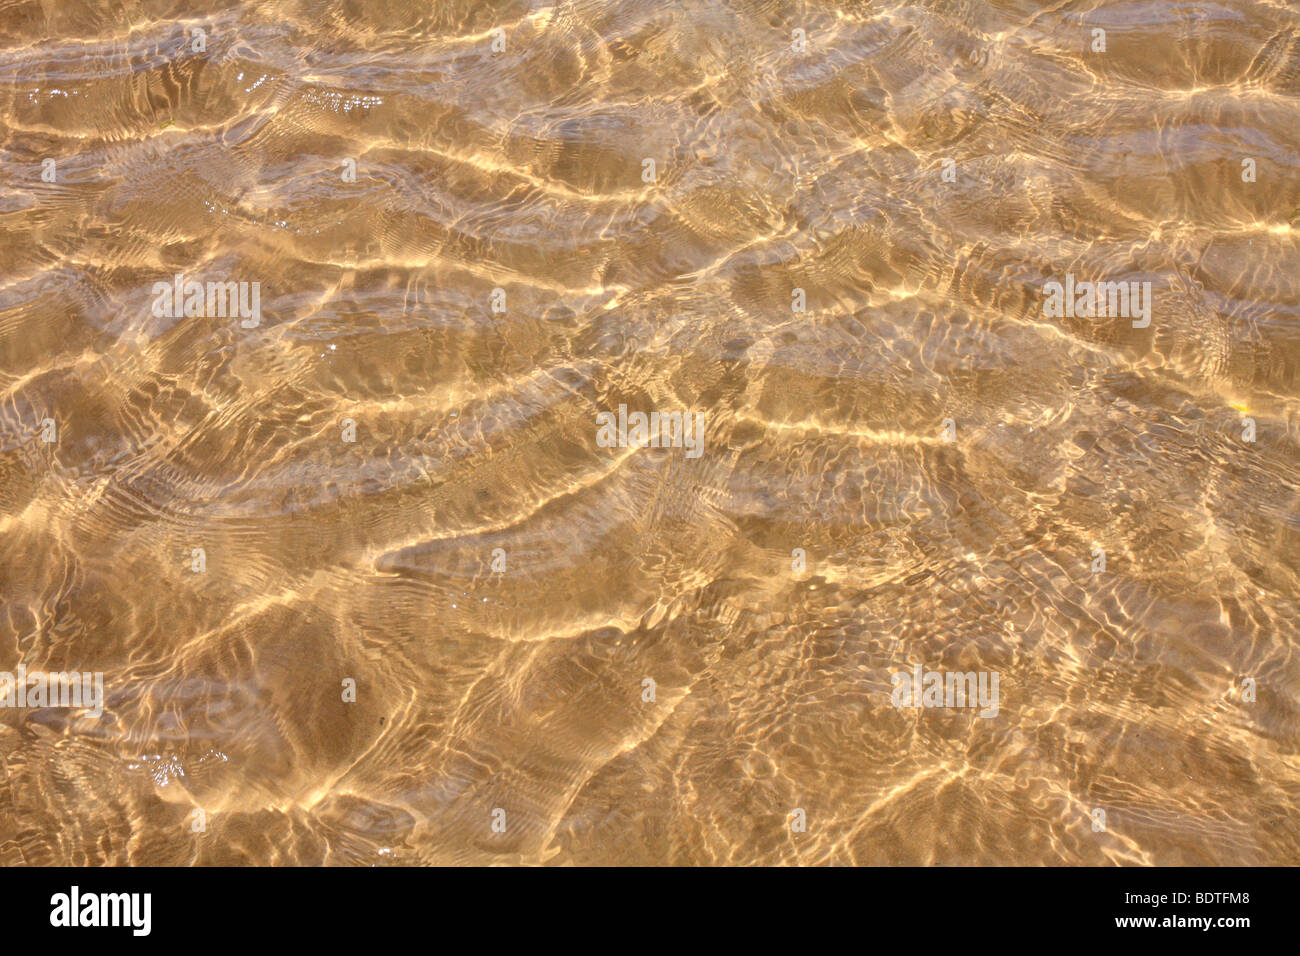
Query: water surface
point(522, 688)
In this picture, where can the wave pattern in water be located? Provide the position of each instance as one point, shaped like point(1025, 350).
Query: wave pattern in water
point(920, 171)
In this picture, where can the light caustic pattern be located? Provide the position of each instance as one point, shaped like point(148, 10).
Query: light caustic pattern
point(499, 585)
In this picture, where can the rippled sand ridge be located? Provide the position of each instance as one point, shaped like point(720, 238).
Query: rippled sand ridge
point(376, 567)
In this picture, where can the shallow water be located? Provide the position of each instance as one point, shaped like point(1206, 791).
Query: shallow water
point(827, 536)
